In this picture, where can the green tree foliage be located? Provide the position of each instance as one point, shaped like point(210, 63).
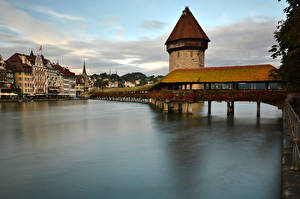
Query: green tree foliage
point(101, 83)
point(287, 36)
point(133, 76)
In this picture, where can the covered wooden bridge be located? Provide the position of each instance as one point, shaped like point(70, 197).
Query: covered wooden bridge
point(182, 87)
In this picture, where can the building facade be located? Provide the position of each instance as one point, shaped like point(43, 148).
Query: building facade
point(53, 78)
point(80, 84)
point(67, 81)
point(2, 73)
point(22, 69)
point(39, 72)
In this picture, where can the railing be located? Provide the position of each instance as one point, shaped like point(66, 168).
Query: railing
point(292, 124)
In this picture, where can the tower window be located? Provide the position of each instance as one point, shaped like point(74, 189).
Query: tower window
point(191, 53)
point(178, 54)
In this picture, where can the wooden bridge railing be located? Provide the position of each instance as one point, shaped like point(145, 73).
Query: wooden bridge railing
point(292, 125)
point(273, 97)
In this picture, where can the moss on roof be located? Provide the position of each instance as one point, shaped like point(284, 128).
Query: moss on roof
point(252, 73)
point(126, 89)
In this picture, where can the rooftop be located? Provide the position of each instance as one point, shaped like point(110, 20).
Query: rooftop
point(187, 27)
point(249, 73)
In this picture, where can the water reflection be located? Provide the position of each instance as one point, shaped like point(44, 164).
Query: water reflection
point(88, 149)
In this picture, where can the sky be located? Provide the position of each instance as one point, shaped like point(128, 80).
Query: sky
point(129, 36)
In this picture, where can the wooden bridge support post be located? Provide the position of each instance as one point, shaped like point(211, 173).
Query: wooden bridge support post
point(258, 109)
point(190, 108)
point(165, 107)
point(209, 108)
point(176, 107)
point(230, 108)
point(184, 107)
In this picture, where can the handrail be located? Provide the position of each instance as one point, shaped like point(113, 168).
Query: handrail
point(293, 125)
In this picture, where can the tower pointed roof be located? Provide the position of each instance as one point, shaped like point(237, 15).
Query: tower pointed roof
point(84, 70)
point(187, 27)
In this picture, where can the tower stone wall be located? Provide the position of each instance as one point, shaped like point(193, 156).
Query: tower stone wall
point(189, 58)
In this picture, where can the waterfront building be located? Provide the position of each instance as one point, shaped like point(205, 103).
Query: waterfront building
point(53, 78)
point(22, 69)
point(80, 84)
point(187, 43)
point(2, 73)
point(67, 81)
point(39, 72)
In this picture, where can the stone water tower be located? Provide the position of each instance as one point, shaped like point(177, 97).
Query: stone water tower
point(187, 43)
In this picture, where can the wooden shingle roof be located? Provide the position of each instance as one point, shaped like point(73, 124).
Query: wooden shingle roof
point(250, 73)
point(187, 27)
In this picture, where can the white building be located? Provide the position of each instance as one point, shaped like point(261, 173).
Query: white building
point(129, 84)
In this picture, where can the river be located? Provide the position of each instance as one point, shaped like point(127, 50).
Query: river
point(112, 150)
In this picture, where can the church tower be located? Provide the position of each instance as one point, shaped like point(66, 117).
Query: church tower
point(187, 43)
point(85, 78)
point(84, 70)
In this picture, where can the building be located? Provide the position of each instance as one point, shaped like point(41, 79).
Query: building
point(39, 72)
point(113, 84)
point(2, 73)
point(53, 78)
point(129, 84)
point(186, 46)
point(137, 82)
point(80, 84)
point(22, 69)
point(67, 81)
point(187, 43)
point(85, 78)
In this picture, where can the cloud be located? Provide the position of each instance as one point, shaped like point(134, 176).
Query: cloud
point(52, 13)
point(26, 27)
point(241, 43)
point(152, 24)
point(109, 21)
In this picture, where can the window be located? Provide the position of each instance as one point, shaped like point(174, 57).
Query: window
point(191, 53)
point(178, 54)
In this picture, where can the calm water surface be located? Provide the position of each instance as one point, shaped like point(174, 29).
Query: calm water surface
point(99, 149)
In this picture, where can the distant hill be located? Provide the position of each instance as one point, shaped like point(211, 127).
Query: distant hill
point(129, 77)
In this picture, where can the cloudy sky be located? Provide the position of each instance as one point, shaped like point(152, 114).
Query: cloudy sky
point(129, 36)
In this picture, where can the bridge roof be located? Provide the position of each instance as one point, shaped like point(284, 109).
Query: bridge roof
point(249, 73)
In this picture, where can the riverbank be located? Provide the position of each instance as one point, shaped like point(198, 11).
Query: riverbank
point(290, 178)
point(40, 99)
point(290, 164)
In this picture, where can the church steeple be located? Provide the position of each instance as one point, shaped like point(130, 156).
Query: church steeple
point(84, 70)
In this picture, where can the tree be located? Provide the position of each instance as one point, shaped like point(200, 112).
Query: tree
point(287, 36)
point(100, 83)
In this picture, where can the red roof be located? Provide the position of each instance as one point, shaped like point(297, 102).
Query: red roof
point(15, 64)
point(187, 27)
point(63, 70)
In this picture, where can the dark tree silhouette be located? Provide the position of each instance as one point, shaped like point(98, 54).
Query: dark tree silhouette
point(287, 36)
